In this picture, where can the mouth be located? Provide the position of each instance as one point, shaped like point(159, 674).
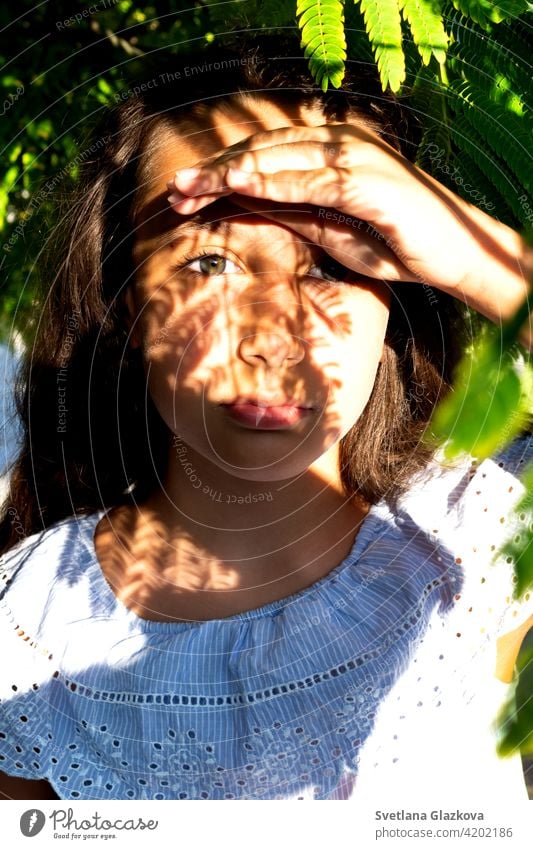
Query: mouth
point(260, 414)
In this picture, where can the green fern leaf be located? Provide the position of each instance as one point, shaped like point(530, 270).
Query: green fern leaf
point(467, 139)
point(503, 131)
point(429, 98)
point(497, 61)
point(498, 79)
point(483, 12)
point(474, 48)
point(515, 35)
point(322, 30)
point(384, 28)
point(425, 20)
point(357, 43)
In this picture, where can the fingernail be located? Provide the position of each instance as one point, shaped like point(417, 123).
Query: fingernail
point(187, 175)
point(175, 197)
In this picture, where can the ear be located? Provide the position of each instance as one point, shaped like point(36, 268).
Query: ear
point(130, 316)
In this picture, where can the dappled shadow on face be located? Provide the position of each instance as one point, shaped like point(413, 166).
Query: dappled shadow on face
point(267, 327)
point(259, 328)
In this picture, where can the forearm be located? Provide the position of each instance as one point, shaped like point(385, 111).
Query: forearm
point(499, 273)
point(502, 280)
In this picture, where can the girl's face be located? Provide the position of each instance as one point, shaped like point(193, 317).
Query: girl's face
point(230, 307)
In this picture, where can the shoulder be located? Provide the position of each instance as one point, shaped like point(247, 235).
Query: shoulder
point(53, 545)
point(36, 573)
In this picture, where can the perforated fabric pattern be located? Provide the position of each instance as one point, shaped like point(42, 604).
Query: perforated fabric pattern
point(307, 697)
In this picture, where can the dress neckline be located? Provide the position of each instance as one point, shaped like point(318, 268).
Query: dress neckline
point(112, 605)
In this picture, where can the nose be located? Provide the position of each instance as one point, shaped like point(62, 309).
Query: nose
point(272, 348)
point(271, 319)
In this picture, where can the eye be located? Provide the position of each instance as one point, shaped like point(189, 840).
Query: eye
point(211, 265)
point(330, 270)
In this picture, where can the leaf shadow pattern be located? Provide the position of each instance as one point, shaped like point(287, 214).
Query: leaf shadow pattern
point(146, 722)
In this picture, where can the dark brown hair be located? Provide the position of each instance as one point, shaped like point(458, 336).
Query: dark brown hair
point(108, 444)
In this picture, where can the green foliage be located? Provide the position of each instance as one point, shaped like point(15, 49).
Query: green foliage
point(491, 399)
point(476, 116)
point(425, 21)
point(484, 12)
point(515, 722)
point(520, 547)
point(384, 29)
point(322, 26)
point(251, 14)
point(59, 70)
point(502, 128)
point(493, 172)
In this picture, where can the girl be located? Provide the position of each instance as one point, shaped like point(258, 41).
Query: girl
point(237, 571)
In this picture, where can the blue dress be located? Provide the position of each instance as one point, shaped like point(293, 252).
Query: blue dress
point(324, 694)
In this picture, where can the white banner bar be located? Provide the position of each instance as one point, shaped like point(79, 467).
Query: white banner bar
point(255, 824)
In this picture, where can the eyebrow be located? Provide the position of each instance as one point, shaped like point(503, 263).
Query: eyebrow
point(196, 225)
point(213, 218)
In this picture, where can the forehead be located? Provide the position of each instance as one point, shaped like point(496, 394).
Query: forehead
point(211, 129)
point(193, 139)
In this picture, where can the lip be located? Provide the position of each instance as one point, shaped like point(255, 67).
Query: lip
point(261, 415)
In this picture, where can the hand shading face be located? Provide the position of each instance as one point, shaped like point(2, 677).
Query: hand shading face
point(228, 305)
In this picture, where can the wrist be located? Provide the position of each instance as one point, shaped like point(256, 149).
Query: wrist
point(500, 282)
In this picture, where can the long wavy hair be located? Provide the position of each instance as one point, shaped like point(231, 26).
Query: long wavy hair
point(92, 437)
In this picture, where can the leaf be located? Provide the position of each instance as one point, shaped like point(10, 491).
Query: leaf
point(357, 44)
point(515, 721)
point(468, 140)
point(4, 200)
point(520, 546)
point(485, 11)
point(15, 152)
point(490, 401)
point(384, 28)
point(104, 86)
point(475, 52)
point(321, 23)
point(503, 130)
point(10, 178)
point(9, 81)
point(429, 98)
point(425, 21)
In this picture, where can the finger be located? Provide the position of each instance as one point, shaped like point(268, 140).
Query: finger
point(351, 241)
point(302, 156)
point(185, 205)
point(325, 133)
point(333, 187)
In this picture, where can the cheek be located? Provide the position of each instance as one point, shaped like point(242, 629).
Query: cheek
point(178, 335)
point(370, 311)
point(358, 353)
point(352, 324)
